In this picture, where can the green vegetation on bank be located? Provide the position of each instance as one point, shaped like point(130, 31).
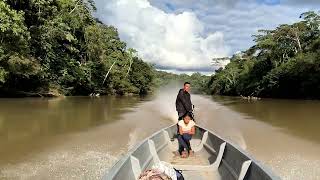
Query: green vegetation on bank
point(56, 47)
point(197, 80)
point(52, 47)
point(284, 63)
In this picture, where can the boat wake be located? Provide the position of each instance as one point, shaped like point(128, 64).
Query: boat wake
point(57, 166)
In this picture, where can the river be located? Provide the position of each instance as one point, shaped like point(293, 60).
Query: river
point(81, 137)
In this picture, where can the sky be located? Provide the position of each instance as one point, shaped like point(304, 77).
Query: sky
point(182, 36)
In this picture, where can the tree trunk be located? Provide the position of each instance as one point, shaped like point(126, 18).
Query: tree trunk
point(75, 7)
point(129, 68)
point(108, 72)
point(297, 40)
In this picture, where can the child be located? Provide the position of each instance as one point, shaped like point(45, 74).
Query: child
point(186, 130)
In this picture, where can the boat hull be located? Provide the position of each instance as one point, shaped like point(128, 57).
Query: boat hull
point(215, 158)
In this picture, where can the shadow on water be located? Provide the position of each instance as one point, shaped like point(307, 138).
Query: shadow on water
point(28, 124)
point(297, 117)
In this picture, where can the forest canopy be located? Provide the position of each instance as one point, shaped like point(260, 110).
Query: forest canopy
point(52, 47)
point(283, 63)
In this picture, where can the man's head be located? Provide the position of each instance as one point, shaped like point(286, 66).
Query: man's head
point(186, 86)
point(186, 118)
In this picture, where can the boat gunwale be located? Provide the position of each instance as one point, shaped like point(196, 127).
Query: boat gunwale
point(127, 156)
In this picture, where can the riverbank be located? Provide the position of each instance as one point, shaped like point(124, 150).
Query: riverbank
point(55, 94)
point(158, 79)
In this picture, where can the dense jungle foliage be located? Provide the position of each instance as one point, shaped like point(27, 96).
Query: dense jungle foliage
point(283, 63)
point(56, 47)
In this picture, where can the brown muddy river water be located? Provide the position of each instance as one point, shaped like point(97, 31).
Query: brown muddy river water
point(81, 137)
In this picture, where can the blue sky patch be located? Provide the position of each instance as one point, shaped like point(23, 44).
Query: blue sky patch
point(170, 7)
point(269, 2)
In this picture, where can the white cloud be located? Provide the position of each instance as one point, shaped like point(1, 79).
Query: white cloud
point(184, 35)
point(239, 20)
point(171, 41)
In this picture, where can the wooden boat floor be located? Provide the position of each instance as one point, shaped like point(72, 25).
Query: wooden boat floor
point(199, 158)
point(201, 175)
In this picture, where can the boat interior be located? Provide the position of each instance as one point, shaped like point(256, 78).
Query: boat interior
point(213, 158)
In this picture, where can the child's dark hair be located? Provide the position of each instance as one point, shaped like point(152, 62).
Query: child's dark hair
point(186, 83)
point(187, 114)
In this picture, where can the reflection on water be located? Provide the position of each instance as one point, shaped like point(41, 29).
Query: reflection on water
point(298, 117)
point(25, 122)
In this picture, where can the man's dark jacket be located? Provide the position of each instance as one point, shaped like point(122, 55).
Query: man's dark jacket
point(183, 103)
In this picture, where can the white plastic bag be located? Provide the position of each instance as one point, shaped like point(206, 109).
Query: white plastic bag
point(166, 168)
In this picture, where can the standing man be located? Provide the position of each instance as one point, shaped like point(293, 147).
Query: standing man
point(183, 101)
